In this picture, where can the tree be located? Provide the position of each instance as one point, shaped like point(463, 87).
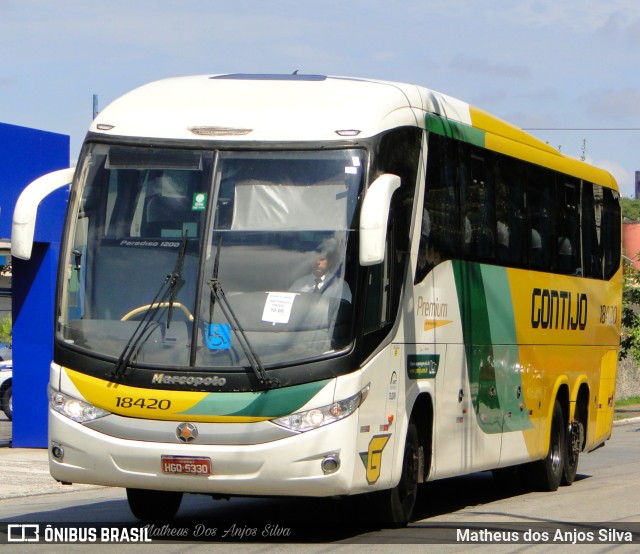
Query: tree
point(5, 329)
point(630, 209)
point(630, 338)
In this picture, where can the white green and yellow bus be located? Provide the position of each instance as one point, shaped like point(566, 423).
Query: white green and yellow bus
point(467, 320)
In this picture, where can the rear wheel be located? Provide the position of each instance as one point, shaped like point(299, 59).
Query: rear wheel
point(575, 436)
point(547, 474)
point(149, 505)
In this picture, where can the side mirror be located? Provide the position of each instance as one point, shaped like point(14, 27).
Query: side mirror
point(374, 218)
point(26, 211)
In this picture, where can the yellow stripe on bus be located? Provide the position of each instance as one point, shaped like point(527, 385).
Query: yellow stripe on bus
point(158, 404)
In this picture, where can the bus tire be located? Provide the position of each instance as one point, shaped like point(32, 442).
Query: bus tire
point(396, 505)
point(575, 434)
point(547, 473)
point(158, 506)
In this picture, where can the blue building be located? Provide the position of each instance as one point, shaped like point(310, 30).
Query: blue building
point(26, 154)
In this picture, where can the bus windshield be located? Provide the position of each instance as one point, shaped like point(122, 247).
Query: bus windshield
point(159, 232)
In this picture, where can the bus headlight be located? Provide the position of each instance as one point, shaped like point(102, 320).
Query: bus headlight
point(318, 417)
point(73, 408)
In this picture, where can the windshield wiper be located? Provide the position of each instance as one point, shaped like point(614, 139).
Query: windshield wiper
point(175, 278)
point(217, 293)
point(164, 298)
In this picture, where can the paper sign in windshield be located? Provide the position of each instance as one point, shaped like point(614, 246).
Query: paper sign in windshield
point(277, 308)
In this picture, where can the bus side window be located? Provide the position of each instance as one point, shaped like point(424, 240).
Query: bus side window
point(611, 230)
point(568, 227)
point(510, 209)
point(477, 206)
point(539, 191)
point(592, 230)
point(440, 234)
point(398, 154)
point(377, 296)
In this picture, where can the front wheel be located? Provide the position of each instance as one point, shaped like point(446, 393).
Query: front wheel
point(158, 506)
point(396, 505)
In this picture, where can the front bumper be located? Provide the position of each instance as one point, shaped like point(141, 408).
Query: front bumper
point(289, 466)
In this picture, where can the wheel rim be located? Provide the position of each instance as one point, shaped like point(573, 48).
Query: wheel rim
point(554, 452)
point(575, 443)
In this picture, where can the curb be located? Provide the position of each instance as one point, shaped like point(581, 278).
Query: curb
point(629, 421)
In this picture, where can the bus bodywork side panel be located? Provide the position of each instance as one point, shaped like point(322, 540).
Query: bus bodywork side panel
point(506, 346)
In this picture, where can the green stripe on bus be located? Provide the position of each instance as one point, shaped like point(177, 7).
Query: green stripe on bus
point(489, 334)
point(453, 129)
point(270, 403)
point(499, 305)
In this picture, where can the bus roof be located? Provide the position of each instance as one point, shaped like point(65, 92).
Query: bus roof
point(291, 108)
point(261, 108)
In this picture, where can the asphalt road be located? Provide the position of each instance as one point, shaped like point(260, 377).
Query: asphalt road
point(606, 490)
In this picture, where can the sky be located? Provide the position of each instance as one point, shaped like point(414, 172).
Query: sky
point(568, 70)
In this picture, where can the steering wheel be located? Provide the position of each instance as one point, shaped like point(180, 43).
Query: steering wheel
point(141, 309)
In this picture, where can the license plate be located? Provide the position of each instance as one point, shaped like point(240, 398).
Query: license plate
point(186, 465)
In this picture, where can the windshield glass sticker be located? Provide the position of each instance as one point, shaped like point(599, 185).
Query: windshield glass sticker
point(422, 366)
point(277, 308)
point(218, 336)
point(199, 201)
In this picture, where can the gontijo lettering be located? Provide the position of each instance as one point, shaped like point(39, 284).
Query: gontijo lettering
point(558, 309)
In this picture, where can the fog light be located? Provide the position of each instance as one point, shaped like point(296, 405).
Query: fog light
point(330, 464)
point(57, 452)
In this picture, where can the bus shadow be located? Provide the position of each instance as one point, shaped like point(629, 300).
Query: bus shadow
point(282, 520)
point(445, 496)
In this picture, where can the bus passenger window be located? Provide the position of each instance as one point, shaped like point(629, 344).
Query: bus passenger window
point(510, 213)
point(610, 234)
point(539, 192)
point(591, 230)
point(568, 228)
point(477, 206)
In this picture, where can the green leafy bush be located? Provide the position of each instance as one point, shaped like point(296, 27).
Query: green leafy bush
point(630, 339)
point(5, 329)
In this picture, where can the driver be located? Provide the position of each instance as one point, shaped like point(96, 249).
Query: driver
point(324, 277)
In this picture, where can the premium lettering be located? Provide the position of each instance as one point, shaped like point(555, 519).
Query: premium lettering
point(558, 309)
point(431, 309)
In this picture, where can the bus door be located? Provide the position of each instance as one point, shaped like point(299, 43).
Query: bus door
point(459, 443)
point(475, 366)
point(453, 415)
